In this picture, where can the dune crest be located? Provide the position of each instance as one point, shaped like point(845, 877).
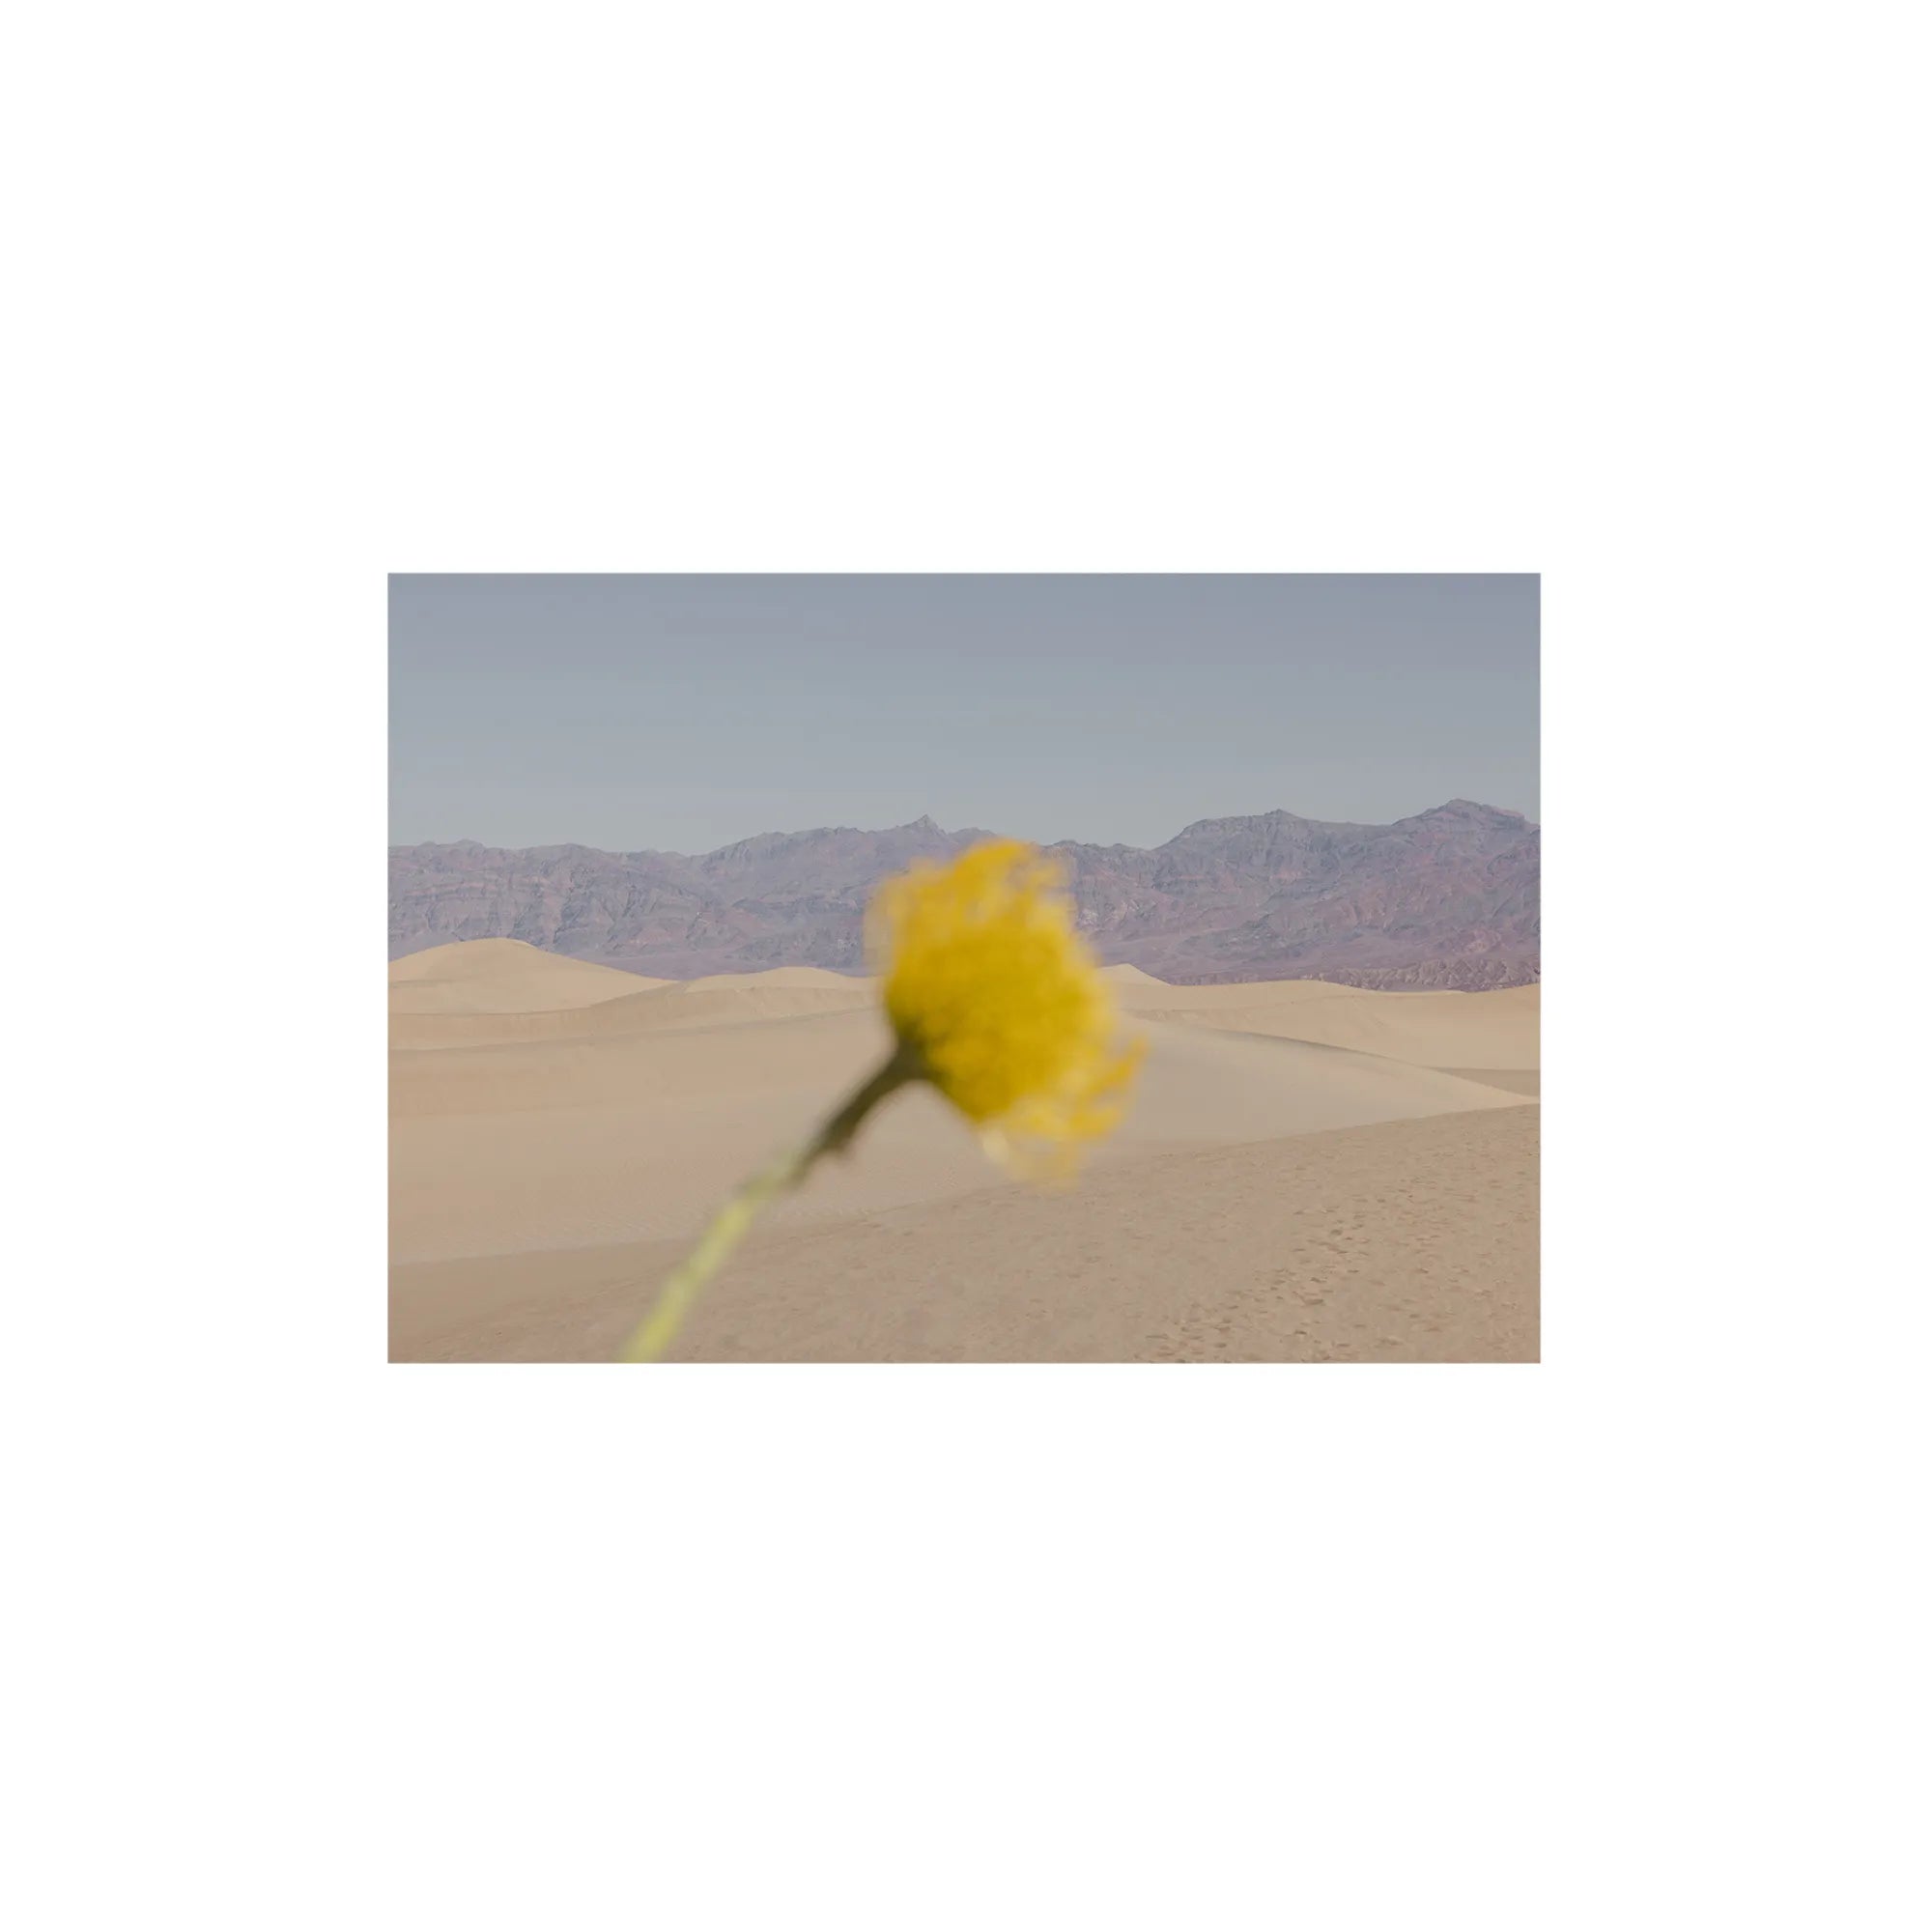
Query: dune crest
point(777, 976)
point(502, 976)
point(652, 1007)
point(1494, 1030)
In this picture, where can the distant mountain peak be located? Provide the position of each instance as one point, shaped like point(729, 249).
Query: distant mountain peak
point(1447, 897)
point(1468, 811)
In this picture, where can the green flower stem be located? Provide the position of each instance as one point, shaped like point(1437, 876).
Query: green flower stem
point(654, 1334)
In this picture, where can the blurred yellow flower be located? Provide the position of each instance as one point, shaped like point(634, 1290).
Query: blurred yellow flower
point(998, 1003)
point(995, 999)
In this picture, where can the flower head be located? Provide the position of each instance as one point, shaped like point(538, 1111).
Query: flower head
point(999, 1002)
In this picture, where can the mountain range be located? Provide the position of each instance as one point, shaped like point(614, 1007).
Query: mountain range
point(1446, 899)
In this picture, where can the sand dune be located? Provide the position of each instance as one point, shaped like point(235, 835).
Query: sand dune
point(495, 992)
point(1197, 1084)
point(673, 1007)
point(531, 1143)
point(1141, 993)
point(501, 976)
point(780, 976)
point(1499, 1030)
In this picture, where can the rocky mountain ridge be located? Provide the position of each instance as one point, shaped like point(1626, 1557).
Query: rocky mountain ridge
point(1445, 898)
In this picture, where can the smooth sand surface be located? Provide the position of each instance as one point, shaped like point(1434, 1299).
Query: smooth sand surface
point(501, 976)
point(550, 1160)
point(671, 1007)
point(1490, 1030)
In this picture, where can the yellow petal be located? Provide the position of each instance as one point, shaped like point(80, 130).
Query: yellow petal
point(985, 978)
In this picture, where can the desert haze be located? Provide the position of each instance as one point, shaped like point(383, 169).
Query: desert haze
point(1310, 1172)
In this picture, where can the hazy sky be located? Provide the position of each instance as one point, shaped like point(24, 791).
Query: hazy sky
point(682, 713)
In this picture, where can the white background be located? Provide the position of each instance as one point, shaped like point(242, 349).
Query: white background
point(1621, 295)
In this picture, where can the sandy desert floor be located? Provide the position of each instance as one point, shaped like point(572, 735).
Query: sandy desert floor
point(1310, 1173)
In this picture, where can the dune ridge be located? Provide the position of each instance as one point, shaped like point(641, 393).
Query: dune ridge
point(1499, 1028)
point(502, 976)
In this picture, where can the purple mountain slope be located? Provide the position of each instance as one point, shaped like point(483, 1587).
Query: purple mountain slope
point(1447, 898)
